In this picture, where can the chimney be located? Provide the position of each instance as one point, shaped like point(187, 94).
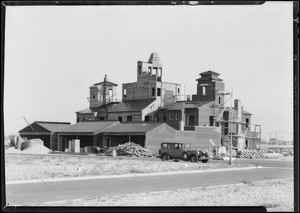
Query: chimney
point(238, 108)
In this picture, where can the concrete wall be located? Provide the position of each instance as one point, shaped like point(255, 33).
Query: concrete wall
point(171, 93)
point(211, 88)
point(136, 116)
point(150, 110)
point(139, 90)
point(84, 117)
point(173, 117)
point(199, 139)
point(158, 135)
point(204, 114)
point(97, 96)
point(147, 87)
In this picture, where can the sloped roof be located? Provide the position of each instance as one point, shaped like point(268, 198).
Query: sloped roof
point(85, 111)
point(133, 127)
point(87, 127)
point(246, 113)
point(185, 105)
point(108, 83)
point(131, 106)
point(47, 125)
point(53, 126)
point(209, 72)
point(213, 75)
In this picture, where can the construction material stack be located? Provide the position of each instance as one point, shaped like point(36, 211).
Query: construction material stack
point(130, 149)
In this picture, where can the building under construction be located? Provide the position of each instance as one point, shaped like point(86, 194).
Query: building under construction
point(150, 99)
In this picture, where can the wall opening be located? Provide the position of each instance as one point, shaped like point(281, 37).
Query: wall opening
point(153, 91)
point(211, 120)
point(158, 92)
point(203, 90)
point(154, 71)
point(191, 120)
point(120, 119)
point(129, 118)
point(147, 118)
point(124, 93)
point(164, 118)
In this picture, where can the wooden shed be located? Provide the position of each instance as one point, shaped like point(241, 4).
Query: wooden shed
point(44, 130)
point(86, 131)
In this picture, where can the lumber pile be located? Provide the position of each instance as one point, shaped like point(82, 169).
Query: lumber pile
point(130, 149)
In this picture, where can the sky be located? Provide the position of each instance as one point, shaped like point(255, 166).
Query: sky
point(53, 54)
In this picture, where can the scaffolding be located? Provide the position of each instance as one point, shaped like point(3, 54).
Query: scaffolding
point(235, 118)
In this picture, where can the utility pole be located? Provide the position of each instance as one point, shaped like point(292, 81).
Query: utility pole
point(230, 157)
point(259, 126)
point(231, 120)
point(276, 138)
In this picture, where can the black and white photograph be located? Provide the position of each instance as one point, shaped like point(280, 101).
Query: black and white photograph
point(181, 104)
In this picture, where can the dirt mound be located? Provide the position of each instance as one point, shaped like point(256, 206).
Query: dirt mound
point(37, 149)
point(32, 142)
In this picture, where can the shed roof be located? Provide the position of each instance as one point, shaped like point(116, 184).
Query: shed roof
point(87, 127)
point(141, 127)
point(53, 127)
point(131, 106)
point(47, 125)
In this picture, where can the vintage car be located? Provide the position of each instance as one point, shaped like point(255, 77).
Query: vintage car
point(181, 151)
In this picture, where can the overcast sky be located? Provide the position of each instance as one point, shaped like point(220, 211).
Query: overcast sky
point(53, 54)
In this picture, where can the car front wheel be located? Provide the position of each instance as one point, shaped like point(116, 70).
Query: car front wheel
point(204, 161)
point(193, 159)
point(165, 157)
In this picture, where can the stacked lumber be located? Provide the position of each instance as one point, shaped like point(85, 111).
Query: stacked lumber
point(130, 149)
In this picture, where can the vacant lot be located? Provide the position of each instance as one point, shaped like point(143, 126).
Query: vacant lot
point(25, 167)
point(274, 195)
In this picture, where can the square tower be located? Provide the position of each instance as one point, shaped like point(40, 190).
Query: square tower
point(208, 85)
point(149, 84)
point(102, 93)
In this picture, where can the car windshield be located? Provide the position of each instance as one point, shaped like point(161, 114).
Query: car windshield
point(187, 146)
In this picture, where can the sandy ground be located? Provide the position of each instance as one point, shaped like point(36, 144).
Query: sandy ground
point(25, 167)
point(274, 195)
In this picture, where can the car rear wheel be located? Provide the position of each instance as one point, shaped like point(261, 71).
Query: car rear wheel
point(193, 159)
point(165, 157)
point(185, 156)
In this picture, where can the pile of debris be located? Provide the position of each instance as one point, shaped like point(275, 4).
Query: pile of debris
point(130, 149)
